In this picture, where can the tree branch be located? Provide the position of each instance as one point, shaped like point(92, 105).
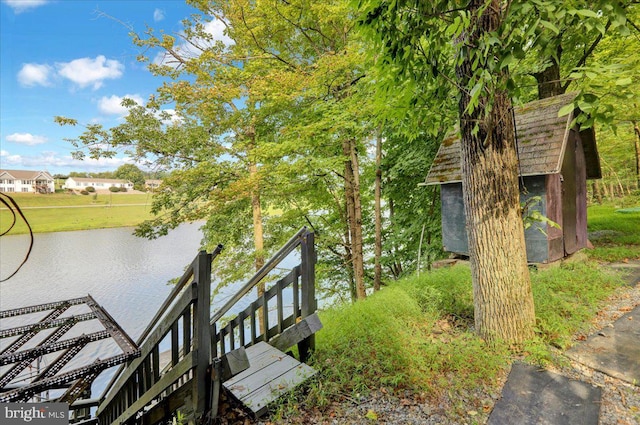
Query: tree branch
point(588, 52)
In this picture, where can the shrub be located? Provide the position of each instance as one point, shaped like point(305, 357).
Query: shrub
point(90, 189)
point(84, 192)
point(114, 189)
point(123, 189)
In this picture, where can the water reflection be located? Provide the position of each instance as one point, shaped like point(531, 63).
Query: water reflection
point(127, 275)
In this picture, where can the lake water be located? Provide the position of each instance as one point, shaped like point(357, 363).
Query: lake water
point(126, 275)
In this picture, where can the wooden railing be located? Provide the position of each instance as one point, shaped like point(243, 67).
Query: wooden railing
point(255, 323)
point(188, 375)
point(178, 377)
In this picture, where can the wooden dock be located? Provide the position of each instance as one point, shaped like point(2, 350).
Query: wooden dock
point(271, 374)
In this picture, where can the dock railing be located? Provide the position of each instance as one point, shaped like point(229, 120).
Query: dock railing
point(232, 333)
point(187, 376)
point(155, 386)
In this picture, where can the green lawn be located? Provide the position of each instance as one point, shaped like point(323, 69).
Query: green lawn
point(614, 230)
point(76, 212)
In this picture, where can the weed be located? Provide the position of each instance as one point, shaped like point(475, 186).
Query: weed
point(567, 297)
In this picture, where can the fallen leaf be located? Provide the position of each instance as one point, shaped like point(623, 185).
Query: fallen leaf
point(371, 415)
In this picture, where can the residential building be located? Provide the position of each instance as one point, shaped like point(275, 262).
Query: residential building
point(81, 183)
point(152, 185)
point(24, 181)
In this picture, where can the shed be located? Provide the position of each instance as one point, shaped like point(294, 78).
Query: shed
point(555, 161)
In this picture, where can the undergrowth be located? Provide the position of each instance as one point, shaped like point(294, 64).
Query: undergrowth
point(417, 334)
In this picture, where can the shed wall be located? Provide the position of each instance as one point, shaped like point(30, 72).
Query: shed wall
point(454, 234)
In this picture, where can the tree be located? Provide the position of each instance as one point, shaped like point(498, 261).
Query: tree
point(503, 301)
point(131, 173)
point(316, 75)
point(461, 46)
point(474, 48)
point(265, 122)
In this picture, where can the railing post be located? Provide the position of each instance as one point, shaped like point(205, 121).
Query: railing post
point(201, 336)
point(308, 301)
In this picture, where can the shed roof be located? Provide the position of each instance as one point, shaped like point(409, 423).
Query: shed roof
point(542, 139)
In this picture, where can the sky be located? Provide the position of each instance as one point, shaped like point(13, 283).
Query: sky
point(73, 58)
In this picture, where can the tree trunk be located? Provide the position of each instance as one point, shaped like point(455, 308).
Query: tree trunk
point(258, 233)
point(636, 130)
point(354, 213)
point(503, 301)
point(256, 209)
point(348, 261)
point(597, 196)
point(549, 79)
point(377, 276)
point(396, 266)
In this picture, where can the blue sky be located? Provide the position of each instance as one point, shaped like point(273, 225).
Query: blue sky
point(66, 57)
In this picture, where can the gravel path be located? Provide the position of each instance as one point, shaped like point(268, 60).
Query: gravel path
point(620, 400)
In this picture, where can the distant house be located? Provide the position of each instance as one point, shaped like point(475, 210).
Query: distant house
point(152, 185)
point(81, 183)
point(556, 159)
point(26, 181)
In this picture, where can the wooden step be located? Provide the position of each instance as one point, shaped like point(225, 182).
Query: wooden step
point(271, 374)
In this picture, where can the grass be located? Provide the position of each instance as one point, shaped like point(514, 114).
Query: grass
point(408, 336)
point(416, 333)
point(614, 233)
point(64, 212)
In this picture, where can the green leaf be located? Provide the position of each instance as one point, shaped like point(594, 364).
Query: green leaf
point(507, 60)
point(587, 13)
point(550, 26)
point(565, 110)
point(371, 415)
point(624, 81)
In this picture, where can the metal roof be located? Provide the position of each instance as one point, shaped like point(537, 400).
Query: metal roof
point(542, 139)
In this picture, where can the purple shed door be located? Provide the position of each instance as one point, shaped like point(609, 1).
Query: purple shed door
point(574, 200)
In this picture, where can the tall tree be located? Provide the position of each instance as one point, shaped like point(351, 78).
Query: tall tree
point(320, 70)
point(264, 122)
point(417, 40)
point(424, 43)
point(130, 172)
point(503, 301)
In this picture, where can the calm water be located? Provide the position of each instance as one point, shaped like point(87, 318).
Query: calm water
point(126, 275)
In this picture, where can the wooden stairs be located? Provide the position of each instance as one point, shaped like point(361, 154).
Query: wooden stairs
point(271, 374)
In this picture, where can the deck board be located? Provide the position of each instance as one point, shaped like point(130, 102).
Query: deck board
point(271, 374)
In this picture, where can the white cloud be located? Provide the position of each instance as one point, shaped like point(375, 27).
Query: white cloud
point(215, 28)
point(112, 105)
point(158, 15)
point(20, 6)
point(26, 139)
point(33, 74)
point(48, 160)
point(87, 71)
point(8, 159)
point(169, 116)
